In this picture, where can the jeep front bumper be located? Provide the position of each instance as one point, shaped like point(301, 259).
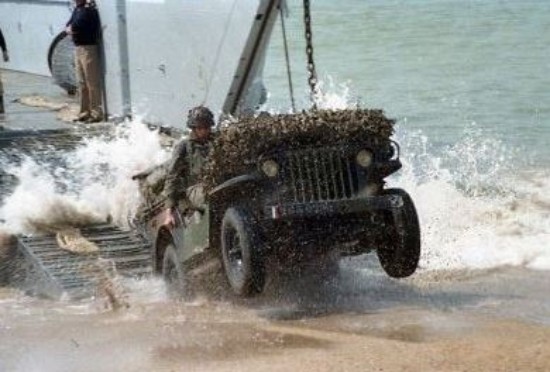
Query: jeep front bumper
point(332, 207)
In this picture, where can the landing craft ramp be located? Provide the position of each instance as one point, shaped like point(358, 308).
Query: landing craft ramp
point(36, 263)
point(47, 270)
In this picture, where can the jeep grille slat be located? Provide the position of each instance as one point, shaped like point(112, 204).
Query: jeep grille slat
point(333, 176)
point(310, 182)
point(351, 191)
point(326, 179)
point(301, 180)
point(319, 175)
point(340, 170)
point(293, 178)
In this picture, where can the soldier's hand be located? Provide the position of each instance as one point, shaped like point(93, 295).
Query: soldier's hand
point(6, 56)
point(169, 218)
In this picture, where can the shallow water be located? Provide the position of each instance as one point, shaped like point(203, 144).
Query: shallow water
point(485, 259)
point(466, 81)
point(291, 324)
point(480, 189)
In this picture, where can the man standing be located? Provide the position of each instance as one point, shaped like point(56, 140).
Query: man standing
point(6, 58)
point(84, 27)
point(183, 191)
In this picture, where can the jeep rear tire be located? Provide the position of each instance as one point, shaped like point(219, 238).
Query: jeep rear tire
point(242, 254)
point(399, 252)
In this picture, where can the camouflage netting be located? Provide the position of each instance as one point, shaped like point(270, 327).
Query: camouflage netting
point(247, 138)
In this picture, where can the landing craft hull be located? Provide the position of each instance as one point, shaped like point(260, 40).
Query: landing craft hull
point(29, 26)
point(160, 57)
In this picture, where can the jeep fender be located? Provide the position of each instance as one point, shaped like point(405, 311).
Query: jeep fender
point(235, 183)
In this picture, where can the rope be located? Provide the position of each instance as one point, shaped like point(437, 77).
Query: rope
point(287, 57)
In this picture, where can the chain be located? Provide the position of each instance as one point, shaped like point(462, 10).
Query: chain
point(312, 80)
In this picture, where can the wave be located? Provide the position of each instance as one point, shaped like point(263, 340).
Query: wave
point(93, 183)
point(481, 205)
point(478, 207)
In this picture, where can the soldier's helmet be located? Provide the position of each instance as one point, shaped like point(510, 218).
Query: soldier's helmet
point(200, 116)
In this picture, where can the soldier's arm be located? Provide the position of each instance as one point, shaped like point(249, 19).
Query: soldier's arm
point(69, 24)
point(95, 21)
point(70, 21)
point(177, 167)
point(5, 55)
point(3, 43)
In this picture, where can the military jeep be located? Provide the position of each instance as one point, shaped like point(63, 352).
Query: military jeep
point(295, 202)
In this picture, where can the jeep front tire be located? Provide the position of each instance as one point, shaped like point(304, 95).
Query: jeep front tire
point(242, 254)
point(399, 252)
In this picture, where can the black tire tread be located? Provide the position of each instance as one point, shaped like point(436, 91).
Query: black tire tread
point(254, 274)
point(400, 260)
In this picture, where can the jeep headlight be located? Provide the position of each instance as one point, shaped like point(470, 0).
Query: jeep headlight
point(270, 168)
point(364, 158)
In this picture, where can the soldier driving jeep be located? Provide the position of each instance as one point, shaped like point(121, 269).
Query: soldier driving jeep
point(183, 192)
point(292, 189)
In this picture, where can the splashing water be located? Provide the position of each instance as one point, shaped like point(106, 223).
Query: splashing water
point(333, 96)
point(328, 95)
point(94, 184)
point(476, 210)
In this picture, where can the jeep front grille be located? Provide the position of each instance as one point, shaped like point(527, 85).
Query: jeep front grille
point(319, 175)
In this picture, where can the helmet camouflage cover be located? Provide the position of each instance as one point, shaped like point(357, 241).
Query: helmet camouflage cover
point(200, 116)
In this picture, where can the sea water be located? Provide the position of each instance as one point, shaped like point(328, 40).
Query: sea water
point(467, 82)
point(434, 65)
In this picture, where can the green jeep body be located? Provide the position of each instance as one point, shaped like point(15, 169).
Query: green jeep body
point(314, 204)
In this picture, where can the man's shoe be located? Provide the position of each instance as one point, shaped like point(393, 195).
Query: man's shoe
point(92, 120)
point(83, 116)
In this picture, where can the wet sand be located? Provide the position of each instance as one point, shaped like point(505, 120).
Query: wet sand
point(175, 338)
point(496, 320)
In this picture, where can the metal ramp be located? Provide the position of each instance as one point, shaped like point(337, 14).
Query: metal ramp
point(37, 264)
point(52, 272)
point(47, 147)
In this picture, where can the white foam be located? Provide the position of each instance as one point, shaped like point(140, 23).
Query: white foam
point(95, 184)
point(333, 96)
point(475, 210)
point(35, 200)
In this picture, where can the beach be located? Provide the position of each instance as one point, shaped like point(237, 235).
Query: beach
point(466, 82)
